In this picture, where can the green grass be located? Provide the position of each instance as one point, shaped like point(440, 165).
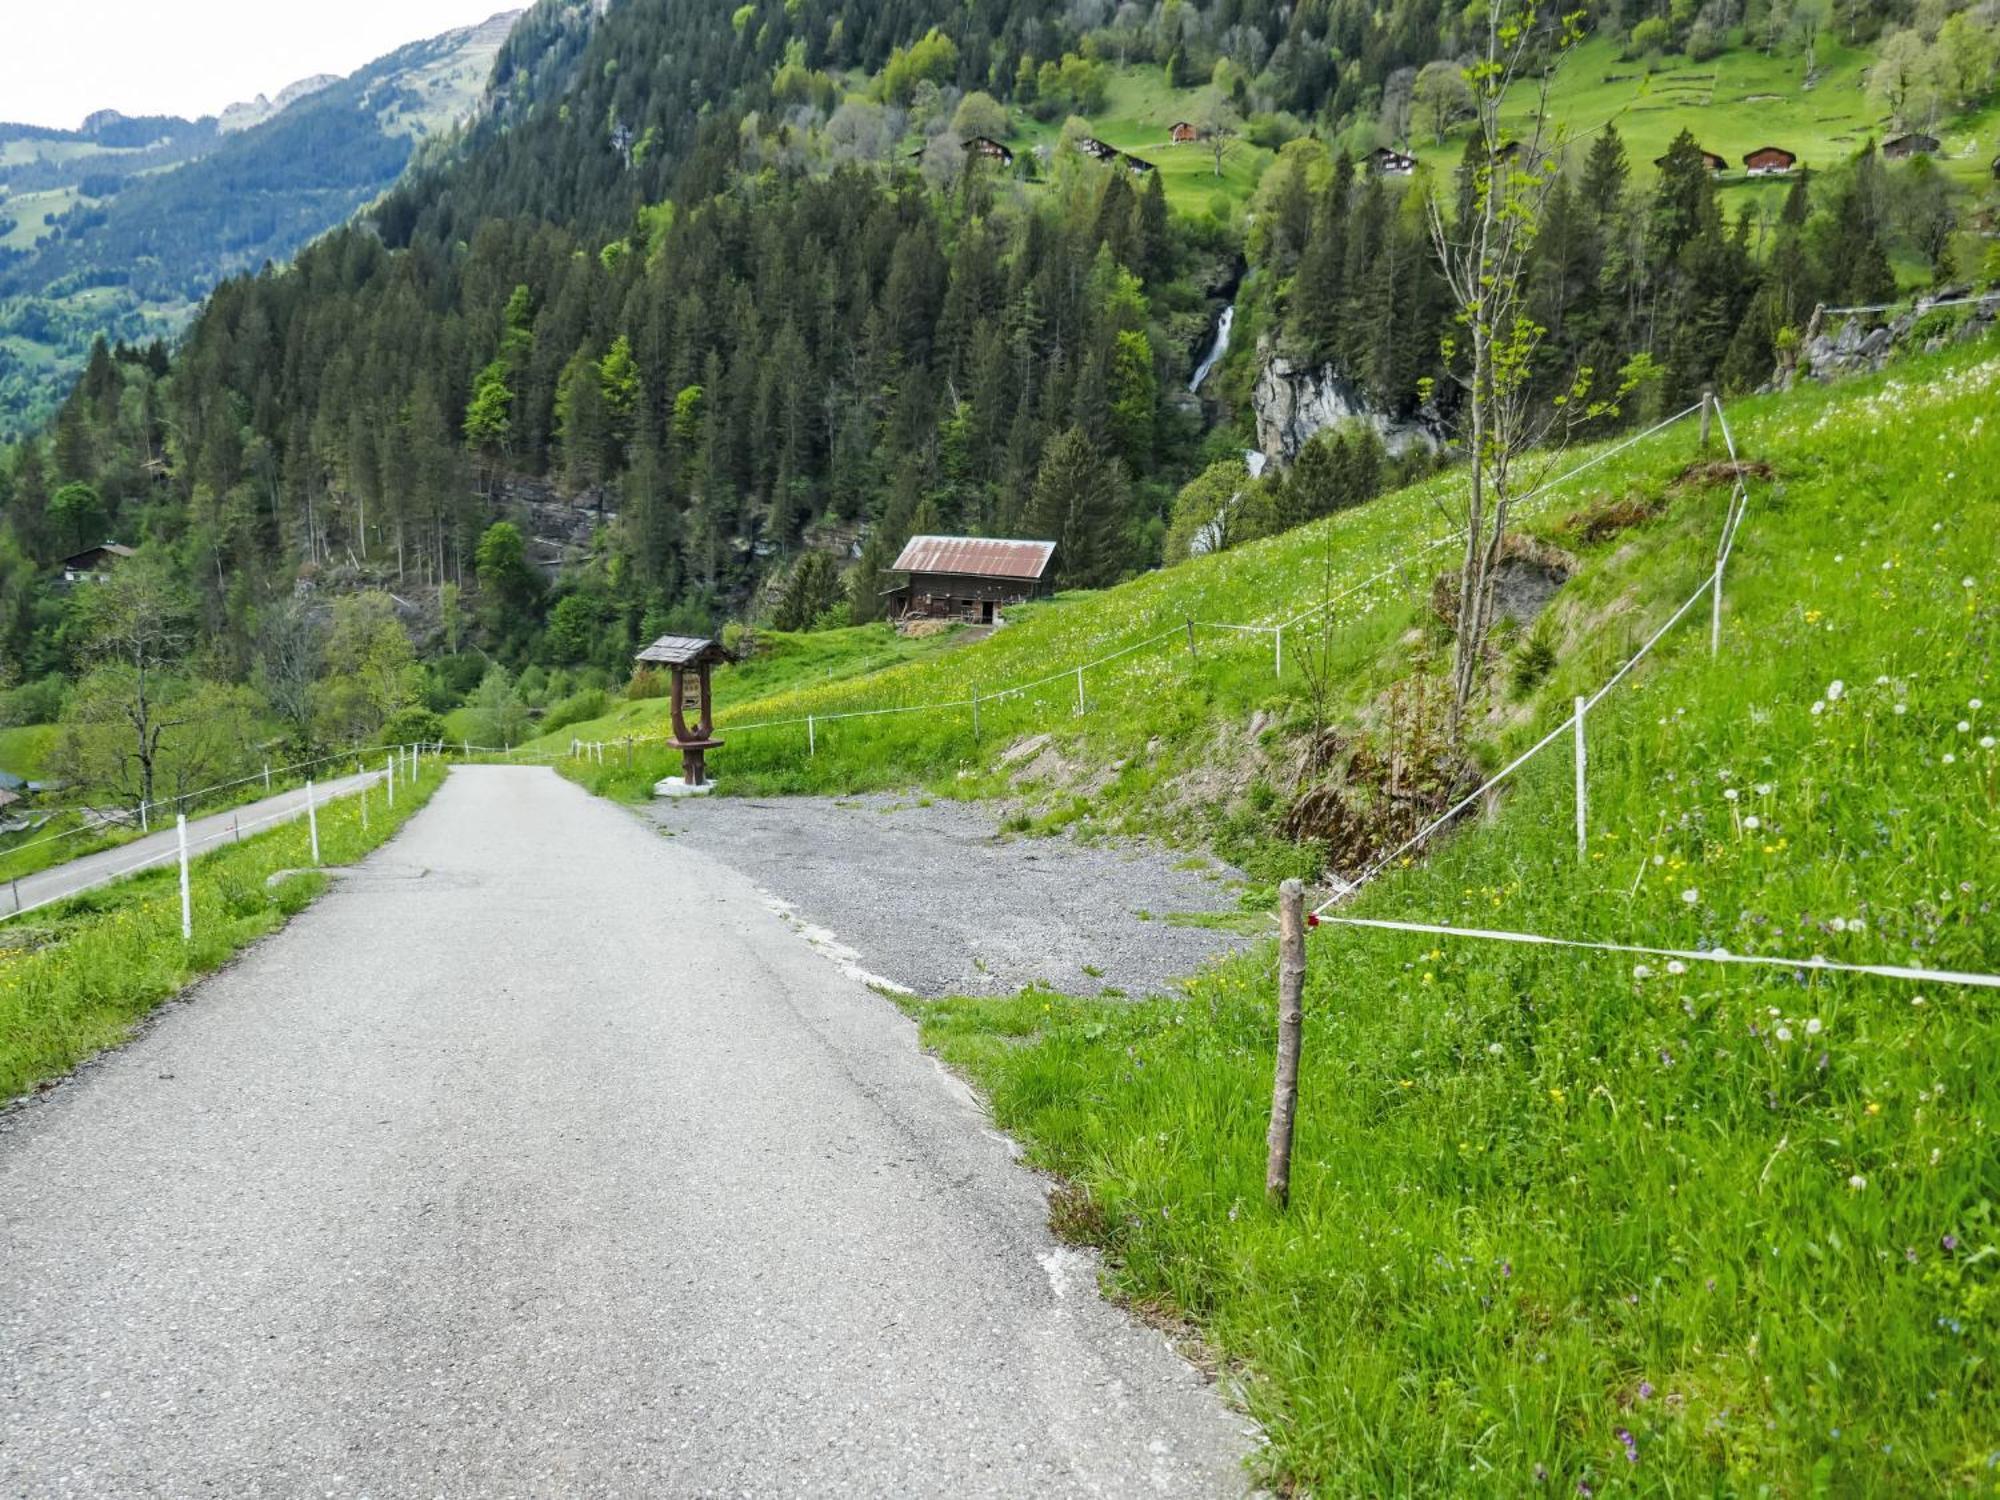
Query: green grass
point(24, 749)
point(1734, 103)
point(78, 977)
point(1748, 1219)
point(784, 662)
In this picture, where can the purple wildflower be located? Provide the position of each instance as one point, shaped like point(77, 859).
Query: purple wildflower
point(1950, 1242)
point(1645, 1390)
point(1631, 1446)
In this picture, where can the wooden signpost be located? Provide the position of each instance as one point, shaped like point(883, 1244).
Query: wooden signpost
point(690, 659)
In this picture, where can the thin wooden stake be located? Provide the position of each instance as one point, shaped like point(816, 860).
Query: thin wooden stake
point(1707, 412)
point(975, 713)
point(1291, 1022)
point(1191, 646)
point(1278, 652)
point(267, 776)
point(1079, 692)
point(187, 901)
point(1582, 795)
point(812, 737)
point(312, 821)
point(390, 766)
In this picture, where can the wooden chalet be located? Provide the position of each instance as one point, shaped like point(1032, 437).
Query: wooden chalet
point(1715, 164)
point(969, 578)
point(992, 150)
point(1387, 163)
point(1916, 143)
point(1109, 154)
point(1770, 161)
point(1186, 133)
point(93, 563)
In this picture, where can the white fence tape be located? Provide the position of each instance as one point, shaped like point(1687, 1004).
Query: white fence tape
point(1814, 965)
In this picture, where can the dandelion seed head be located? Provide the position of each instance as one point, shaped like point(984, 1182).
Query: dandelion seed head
point(1857, 1182)
point(1691, 895)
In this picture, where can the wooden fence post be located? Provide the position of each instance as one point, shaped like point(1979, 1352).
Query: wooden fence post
point(1291, 1020)
point(312, 821)
point(975, 713)
point(1707, 412)
point(1079, 692)
point(812, 737)
point(1278, 652)
point(1191, 650)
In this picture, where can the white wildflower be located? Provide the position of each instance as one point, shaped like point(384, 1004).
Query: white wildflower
point(1784, 1033)
point(1640, 971)
point(1812, 1026)
point(1834, 689)
point(1690, 895)
point(1675, 966)
point(1753, 822)
point(1857, 1182)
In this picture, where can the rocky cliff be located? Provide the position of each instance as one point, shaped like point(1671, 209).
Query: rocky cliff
point(1293, 401)
point(1862, 342)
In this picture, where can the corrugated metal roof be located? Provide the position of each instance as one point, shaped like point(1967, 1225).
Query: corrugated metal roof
point(680, 651)
point(976, 557)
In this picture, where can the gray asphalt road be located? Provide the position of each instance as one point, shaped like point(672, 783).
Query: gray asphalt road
point(934, 898)
point(158, 848)
point(540, 1158)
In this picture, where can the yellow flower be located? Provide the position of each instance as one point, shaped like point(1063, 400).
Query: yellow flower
point(1557, 1095)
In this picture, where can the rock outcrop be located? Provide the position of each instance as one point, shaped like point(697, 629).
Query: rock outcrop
point(1861, 343)
point(1293, 401)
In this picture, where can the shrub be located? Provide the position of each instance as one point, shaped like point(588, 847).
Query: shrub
point(647, 683)
point(412, 726)
point(576, 709)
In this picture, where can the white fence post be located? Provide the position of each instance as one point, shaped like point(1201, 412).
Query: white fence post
point(812, 740)
point(1582, 802)
point(1278, 652)
point(1715, 602)
point(144, 825)
point(187, 902)
point(390, 766)
point(1079, 692)
point(312, 821)
point(267, 778)
point(975, 713)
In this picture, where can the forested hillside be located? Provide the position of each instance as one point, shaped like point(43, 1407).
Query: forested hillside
point(713, 308)
point(119, 230)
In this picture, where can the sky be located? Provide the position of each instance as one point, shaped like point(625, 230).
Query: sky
point(62, 59)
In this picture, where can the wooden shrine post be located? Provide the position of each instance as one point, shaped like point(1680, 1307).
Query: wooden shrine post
point(690, 659)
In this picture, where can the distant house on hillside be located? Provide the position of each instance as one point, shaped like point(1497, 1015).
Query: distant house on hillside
point(1105, 152)
point(1392, 163)
point(1769, 161)
point(1186, 133)
point(967, 578)
point(1709, 159)
point(985, 145)
point(1916, 143)
point(93, 564)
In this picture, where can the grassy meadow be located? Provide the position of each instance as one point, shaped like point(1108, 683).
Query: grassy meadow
point(1563, 1221)
point(77, 977)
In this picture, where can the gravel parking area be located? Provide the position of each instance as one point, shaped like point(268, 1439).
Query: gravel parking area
point(935, 899)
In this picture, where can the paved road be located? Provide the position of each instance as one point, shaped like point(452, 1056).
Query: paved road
point(934, 898)
point(540, 1158)
point(204, 834)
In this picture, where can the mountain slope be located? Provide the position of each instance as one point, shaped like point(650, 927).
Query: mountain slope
point(147, 216)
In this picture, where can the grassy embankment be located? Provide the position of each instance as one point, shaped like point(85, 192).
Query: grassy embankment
point(1720, 1230)
point(77, 977)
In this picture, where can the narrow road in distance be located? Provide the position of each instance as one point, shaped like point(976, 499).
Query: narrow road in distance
point(539, 1157)
point(159, 847)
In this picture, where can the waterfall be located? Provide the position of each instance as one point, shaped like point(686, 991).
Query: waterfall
point(1216, 350)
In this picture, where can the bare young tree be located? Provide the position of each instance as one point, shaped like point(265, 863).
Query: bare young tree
point(140, 630)
point(1484, 246)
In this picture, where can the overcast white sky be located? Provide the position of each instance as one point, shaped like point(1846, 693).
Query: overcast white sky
point(62, 59)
